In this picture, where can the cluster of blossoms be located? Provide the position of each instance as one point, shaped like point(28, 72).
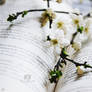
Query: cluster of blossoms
point(63, 29)
point(66, 36)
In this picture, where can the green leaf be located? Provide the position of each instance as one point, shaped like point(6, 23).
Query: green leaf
point(80, 28)
point(11, 18)
point(52, 73)
point(24, 13)
point(58, 73)
point(55, 75)
point(64, 53)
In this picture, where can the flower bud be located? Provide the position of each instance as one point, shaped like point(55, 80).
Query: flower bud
point(79, 71)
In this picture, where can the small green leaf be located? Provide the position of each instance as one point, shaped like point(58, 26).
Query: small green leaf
point(64, 53)
point(58, 73)
point(55, 75)
point(80, 28)
point(11, 18)
point(24, 13)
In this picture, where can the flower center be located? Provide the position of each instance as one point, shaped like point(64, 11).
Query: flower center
point(60, 25)
point(54, 41)
point(59, 1)
point(86, 29)
point(76, 21)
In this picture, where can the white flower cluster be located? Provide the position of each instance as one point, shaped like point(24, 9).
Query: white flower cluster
point(63, 28)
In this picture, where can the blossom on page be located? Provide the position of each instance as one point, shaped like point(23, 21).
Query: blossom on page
point(70, 50)
point(46, 16)
point(77, 45)
point(88, 24)
point(77, 20)
point(62, 23)
point(56, 38)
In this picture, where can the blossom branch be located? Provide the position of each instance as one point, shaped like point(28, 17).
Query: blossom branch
point(23, 13)
point(12, 17)
point(56, 73)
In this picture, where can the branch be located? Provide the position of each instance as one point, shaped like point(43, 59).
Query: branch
point(23, 13)
point(73, 37)
point(48, 3)
point(68, 13)
point(79, 64)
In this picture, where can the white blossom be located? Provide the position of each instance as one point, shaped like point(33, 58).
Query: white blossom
point(70, 50)
point(77, 45)
point(77, 20)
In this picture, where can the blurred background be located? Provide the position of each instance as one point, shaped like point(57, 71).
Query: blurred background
point(84, 6)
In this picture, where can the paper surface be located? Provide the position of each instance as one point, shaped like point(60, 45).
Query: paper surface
point(24, 59)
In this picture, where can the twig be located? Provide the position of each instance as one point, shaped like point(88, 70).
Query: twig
point(15, 16)
point(48, 3)
point(73, 37)
point(67, 12)
point(87, 15)
point(79, 64)
point(55, 86)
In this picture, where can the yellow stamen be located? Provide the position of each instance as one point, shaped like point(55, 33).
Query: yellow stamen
point(45, 17)
point(54, 41)
point(76, 21)
point(59, 1)
point(60, 25)
point(86, 30)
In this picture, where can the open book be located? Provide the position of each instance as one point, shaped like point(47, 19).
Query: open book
point(25, 61)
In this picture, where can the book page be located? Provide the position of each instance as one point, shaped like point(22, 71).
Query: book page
point(24, 59)
point(78, 86)
point(83, 5)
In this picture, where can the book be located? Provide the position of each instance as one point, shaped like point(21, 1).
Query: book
point(25, 61)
